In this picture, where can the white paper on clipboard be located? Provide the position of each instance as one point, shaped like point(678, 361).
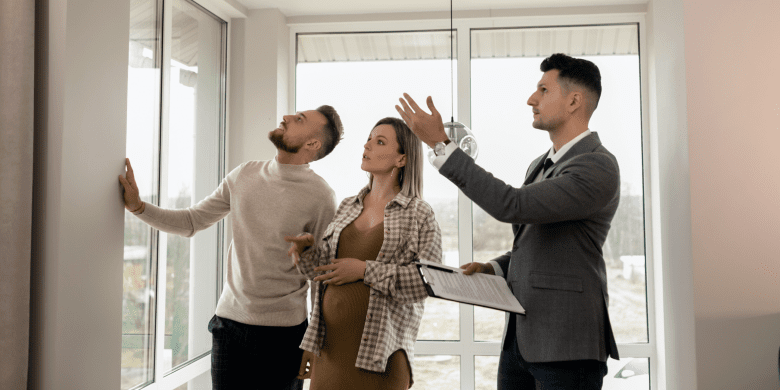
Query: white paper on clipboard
point(478, 289)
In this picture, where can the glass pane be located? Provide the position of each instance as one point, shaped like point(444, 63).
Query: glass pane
point(485, 372)
point(436, 372)
point(143, 92)
point(440, 320)
point(488, 324)
point(503, 85)
point(363, 92)
point(192, 172)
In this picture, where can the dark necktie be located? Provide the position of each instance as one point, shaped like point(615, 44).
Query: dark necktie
point(547, 164)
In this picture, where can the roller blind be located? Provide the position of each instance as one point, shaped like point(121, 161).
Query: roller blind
point(485, 43)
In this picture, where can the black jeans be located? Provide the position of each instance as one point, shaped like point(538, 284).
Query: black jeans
point(514, 372)
point(255, 357)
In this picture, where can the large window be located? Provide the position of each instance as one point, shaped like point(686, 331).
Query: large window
point(175, 133)
point(495, 71)
point(363, 92)
point(617, 122)
point(505, 61)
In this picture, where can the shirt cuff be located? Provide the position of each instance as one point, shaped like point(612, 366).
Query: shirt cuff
point(440, 160)
point(140, 210)
point(497, 268)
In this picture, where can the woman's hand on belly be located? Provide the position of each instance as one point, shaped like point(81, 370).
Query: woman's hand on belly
point(345, 271)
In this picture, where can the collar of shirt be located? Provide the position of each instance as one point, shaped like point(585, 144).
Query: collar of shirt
point(287, 171)
point(399, 198)
point(555, 156)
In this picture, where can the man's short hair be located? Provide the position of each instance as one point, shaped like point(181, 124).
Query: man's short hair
point(332, 132)
point(575, 71)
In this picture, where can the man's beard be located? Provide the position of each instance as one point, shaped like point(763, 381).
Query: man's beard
point(278, 140)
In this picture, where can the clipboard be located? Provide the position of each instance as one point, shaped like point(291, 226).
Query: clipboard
point(449, 283)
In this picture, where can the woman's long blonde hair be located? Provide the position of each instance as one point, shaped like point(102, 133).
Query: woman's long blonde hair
point(410, 175)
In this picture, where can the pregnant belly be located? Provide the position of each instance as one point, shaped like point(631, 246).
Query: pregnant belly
point(344, 310)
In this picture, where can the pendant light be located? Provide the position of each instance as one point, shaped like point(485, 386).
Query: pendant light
point(458, 133)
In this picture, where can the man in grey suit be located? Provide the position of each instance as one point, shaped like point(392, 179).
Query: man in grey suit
point(560, 218)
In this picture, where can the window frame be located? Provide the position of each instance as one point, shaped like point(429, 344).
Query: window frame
point(467, 348)
point(191, 369)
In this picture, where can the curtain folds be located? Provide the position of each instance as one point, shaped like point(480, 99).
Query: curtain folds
point(17, 58)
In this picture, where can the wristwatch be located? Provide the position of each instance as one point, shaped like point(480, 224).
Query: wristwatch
point(438, 148)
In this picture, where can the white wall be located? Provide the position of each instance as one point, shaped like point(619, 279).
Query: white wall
point(259, 84)
point(670, 207)
point(731, 53)
point(77, 240)
point(80, 147)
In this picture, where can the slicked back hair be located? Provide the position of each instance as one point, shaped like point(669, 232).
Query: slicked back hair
point(410, 175)
point(575, 71)
point(332, 132)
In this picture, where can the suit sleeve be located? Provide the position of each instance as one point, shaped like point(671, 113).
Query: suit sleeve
point(503, 264)
point(587, 183)
point(501, 267)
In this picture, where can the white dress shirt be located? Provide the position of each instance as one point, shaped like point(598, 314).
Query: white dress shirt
point(555, 156)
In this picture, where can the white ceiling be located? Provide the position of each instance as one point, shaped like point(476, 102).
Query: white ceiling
point(347, 7)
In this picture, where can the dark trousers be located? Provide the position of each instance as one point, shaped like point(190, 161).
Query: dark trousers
point(255, 357)
point(514, 372)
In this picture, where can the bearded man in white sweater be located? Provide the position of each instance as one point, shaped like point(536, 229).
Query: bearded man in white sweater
point(261, 315)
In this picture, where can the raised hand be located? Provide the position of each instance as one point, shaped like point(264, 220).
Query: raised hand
point(482, 268)
point(345, 271)
point(428, 127)
point(133, 202)
point(299, 244)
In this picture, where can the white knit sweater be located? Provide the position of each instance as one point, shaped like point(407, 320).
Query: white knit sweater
point(267, 201)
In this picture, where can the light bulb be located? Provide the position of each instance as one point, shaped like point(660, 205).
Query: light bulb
point(461, 135)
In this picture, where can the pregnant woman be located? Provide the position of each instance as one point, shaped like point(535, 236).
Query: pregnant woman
point(368, 296)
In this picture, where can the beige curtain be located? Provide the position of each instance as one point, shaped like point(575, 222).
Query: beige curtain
point(17, 56)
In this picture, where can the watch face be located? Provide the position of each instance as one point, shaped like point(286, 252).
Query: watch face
point(439, 148)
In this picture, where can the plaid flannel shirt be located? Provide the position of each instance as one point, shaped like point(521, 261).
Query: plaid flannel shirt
point(395, 304)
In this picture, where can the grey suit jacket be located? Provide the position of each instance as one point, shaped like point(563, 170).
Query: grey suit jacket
point(555, 268)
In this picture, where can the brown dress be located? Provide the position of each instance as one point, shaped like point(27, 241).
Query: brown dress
point(344, 310)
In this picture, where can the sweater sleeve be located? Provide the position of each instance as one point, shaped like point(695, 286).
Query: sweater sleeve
point(187, 222)
point(326, 211)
